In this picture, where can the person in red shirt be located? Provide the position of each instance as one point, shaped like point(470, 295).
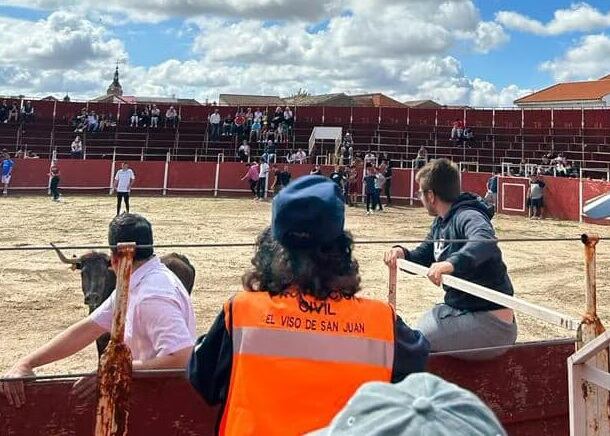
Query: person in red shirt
point(238, 126)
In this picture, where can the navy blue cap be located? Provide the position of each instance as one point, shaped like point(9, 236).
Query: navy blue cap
point(310, 211)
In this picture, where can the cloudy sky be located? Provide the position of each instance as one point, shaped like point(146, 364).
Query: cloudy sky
point(477, 52)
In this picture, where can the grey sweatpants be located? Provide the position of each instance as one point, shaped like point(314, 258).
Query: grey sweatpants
point(450, 329)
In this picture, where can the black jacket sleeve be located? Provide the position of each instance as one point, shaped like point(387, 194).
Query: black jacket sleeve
point(209, 369)
point(411, 351)
point(423, 254)
point(473, 225)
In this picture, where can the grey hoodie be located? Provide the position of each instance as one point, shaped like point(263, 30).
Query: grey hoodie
point(478, 262)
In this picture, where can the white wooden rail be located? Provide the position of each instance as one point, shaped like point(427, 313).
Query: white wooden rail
point(581, 372)
point(539, 312)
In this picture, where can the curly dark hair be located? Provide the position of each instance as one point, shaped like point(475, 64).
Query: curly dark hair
point(325, 271)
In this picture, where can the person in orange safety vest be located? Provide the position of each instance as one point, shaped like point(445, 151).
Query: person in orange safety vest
point(287, 353)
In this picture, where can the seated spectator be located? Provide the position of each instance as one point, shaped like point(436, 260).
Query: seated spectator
point(278, 117)
point(303, 271)
point(110, 121)
point(243, 152)
point(155, 112)
point(171, 118)
point(4, 109)
point(145, 117)
point(422, 157)
point(258, 115)
point(288, 120)
point(92, 122)
point(422, 404)
point(249, 116)
point(76, 149)
point(468, 137)
point(135, 117)
point(160, 333)
point(101, 122)
point(227, 126)
point(13, 112)
point(457, 129)
point(270, 152)
point(255, 130)
point(30, 155)
point(546, 159)
point(301, 156)
point(27, 112)
point(19, 154)
point(463, 321)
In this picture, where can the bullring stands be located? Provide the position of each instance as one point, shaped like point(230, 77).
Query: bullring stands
point(501, 135)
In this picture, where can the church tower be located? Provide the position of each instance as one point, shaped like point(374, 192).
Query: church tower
point(115, 87)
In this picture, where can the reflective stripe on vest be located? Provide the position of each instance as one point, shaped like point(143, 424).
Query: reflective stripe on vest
point(297, 360)
point(312, 346)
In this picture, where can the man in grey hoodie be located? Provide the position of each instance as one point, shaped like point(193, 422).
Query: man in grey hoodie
point(463, 321)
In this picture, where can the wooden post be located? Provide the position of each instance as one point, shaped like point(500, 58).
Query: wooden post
point(595, 398)
point(392, 286)
point(114, 372)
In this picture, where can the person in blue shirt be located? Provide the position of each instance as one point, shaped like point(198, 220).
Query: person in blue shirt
point(370, 189)
point(491, 197)
point(7, 171)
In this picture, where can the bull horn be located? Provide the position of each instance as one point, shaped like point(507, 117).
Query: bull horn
point(63, 258)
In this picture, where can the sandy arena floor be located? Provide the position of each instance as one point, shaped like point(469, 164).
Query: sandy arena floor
point(39, 296)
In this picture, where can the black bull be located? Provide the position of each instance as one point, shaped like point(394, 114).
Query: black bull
point(98, 280)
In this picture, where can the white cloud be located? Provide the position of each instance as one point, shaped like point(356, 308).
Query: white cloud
point(588, 59)
point(63, 41)
point(392, 46)
point(580, 17)
point(158, 10)
point(489, 36)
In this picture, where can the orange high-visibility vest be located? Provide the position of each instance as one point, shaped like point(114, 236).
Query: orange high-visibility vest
point(297, 360)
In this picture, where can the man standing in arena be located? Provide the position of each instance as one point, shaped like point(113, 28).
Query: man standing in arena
point(287, 352)
point(54, 175)
point(160, 321)
point(463, 321)
point(535, 199)
point(7, 171)
point(123, 180)
point(263, 173)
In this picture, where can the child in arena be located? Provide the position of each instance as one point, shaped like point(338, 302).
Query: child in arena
point(285, 354)
point(463, 321)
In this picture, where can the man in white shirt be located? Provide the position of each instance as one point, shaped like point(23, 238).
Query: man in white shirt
point(122, 185)
point(215, 125)
point(159, 324)
point(263, 172)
